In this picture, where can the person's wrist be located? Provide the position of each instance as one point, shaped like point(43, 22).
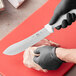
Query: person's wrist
point(60, 53)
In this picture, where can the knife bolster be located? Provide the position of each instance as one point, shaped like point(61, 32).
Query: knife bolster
point(49, 28)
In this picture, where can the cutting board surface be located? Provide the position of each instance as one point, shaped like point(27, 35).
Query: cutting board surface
point(13, 65)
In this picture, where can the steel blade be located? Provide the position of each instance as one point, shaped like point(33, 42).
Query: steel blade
point(22, 45)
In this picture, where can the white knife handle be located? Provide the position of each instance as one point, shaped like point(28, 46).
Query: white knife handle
point(59, 22)
point(50, 28)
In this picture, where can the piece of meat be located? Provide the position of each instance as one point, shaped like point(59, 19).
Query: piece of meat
point(29, 54)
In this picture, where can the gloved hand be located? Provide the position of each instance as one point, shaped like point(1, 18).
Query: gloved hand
point(47, 59)
point(64, 7)
point(71, 17)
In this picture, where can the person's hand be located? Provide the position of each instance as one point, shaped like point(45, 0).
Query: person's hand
point(71, 17)
point(47, 58)
point(64, 7)
point(29, 54)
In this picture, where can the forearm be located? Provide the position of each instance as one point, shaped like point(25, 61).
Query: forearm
point(67, 55)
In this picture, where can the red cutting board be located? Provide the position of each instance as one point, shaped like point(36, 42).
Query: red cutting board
point(13, 65)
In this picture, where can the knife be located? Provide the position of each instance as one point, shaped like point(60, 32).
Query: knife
point(30, 41)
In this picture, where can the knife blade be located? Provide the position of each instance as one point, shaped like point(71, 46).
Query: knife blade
point(22, 45)
point(30, 41)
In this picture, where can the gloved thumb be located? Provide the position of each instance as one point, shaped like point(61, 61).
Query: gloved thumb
point(54, 18)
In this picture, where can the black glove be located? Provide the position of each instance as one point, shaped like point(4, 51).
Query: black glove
point(63, 7)
point(71, 17)
point(47, 59)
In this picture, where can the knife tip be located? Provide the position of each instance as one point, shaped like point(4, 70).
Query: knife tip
point(7, 53)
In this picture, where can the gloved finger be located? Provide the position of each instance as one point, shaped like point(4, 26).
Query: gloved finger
point(37, 51)
point(64, 23)
point(36, 59)
point(35, 54)
point(69, 19)
point(73, 17)
point(54, 44)
point(59, 27)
